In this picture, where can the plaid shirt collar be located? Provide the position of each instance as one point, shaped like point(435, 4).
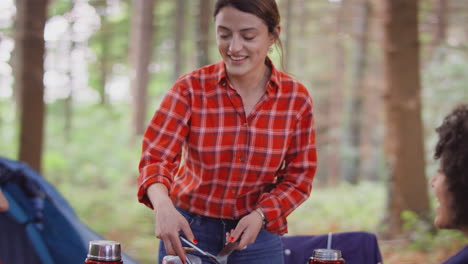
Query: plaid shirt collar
point(273, 82)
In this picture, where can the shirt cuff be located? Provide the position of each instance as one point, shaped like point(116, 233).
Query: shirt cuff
point(142, 190)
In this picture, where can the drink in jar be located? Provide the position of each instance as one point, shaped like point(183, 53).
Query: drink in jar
point(191, 259)
point(326, 256)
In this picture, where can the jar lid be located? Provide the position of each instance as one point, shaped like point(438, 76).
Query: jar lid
point(327, 254)
point(104, 250)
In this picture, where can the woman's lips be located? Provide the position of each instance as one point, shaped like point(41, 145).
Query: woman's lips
point(237, 59)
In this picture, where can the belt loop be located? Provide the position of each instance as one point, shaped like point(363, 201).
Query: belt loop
point(198, 219)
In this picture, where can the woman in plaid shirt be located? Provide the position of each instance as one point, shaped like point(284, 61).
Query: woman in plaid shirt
point(231, 152)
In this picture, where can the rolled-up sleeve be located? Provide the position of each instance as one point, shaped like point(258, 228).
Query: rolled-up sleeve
point(163, 140)
point(295, 182)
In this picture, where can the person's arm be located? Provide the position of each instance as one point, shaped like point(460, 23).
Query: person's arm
point(168, 221)
point(293, 189)
point(295, 181)
point(160, 160)
point(247, 230)
point(162, 142)
point(3, 203)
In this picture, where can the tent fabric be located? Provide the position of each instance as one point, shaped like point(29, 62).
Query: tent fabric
point(40, 225)
point(13, 248)
point(356, 247)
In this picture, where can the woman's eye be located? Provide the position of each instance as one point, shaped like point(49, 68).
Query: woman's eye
point(224, 36)
point(249, 37)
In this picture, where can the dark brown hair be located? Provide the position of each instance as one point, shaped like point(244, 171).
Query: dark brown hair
point(452, 149)
point(266, 10)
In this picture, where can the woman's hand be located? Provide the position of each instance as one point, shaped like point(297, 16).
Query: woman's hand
point(246, 230)
point(169, 222)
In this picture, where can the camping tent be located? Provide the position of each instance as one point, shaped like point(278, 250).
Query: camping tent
point(40, 226)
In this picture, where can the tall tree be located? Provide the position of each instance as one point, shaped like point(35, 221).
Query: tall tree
point(204, 17)
point(68, 102)
point(335, 109)
point(140, 56)
point(288, 7)
point(105, 37)
point(303, 25)
point(179, 37)
point(404, 130)
point(441, 19)
point(354, 109)
point(30, 49)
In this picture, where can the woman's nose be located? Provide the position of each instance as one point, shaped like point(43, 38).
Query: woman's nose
point(235, 45)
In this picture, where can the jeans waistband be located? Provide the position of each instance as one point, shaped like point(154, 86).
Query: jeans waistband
point(208, 218)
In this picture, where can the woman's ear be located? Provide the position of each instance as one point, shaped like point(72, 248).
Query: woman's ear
point(275, 34)
point(278, 31)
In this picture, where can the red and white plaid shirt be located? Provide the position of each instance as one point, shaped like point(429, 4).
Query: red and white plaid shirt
point(232, 164)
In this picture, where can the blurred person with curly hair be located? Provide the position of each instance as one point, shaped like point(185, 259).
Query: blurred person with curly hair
point(450, 183)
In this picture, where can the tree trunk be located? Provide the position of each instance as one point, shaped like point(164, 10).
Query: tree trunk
point(141, 47)
point(179, 37)
point(30, 50)
point(354, 112)
point(335, 96)
point(440, 28)
point(203, 32)
point(404, 133)
point(287, 33)
point(68, 102)
point(105, 38)
point(303, 25)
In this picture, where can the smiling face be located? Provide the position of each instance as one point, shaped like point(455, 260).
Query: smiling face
point(243, 41)
point(444, 213)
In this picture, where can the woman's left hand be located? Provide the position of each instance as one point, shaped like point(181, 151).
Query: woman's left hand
point(246, 230)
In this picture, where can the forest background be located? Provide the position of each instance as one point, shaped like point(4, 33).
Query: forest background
point(79, 81)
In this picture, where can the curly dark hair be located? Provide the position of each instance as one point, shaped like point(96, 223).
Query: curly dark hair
point(452, 149)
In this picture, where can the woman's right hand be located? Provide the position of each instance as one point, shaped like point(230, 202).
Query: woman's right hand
point(169, 222)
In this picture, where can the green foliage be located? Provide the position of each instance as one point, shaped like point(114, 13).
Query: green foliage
point(421, 232)
point(110, 46)
point(424, 237)
point(59, 7)
point(340, 209)
point(94, 165)
point(445, 82)
point(446, 78)
point(8, 129)
point(96, 171)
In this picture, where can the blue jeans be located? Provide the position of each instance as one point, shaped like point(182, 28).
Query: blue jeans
point(211, 236)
